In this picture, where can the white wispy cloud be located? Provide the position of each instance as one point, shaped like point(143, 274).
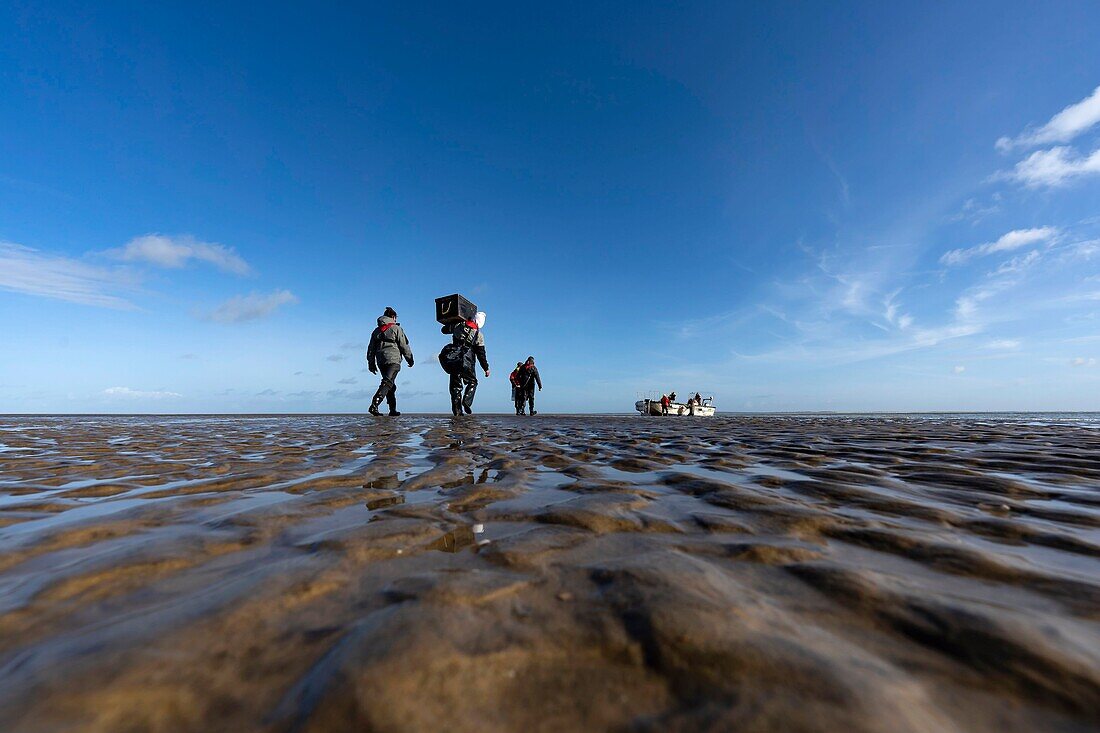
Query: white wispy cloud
point(1082, 361)
point(174, 252)
point(139, 394)
point(251, 307)
point(27, 270)
point(1085, 250)
point(975, 211)
point(959, 369)
point(1018, 263)
point(1052, 168)
point(1004, 344)
point(1062, 127)
point(1012, 240)
point(893, 314)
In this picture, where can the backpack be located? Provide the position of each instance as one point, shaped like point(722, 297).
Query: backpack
point(453, 358)
point(458, 358)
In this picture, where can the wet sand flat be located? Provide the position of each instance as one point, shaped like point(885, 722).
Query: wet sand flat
point(331, 573)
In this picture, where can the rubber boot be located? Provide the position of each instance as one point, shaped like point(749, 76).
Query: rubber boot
point(374, 403)
point(468, 398)
point(391, 400)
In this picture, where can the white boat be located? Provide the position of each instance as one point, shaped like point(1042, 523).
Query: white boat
point(653, 407)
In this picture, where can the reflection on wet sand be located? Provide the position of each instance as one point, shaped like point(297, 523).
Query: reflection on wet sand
point(575, 573)
point(385, 501)
point(455, 540)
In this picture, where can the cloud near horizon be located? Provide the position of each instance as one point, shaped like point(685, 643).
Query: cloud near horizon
point(139, 394)
point(251, 307)
point(30, 271)
point(174, 252)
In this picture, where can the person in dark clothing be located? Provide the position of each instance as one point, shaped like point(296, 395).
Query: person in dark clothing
point(513, 379)
point(388, 346)
point(528, 379)
point(463, 384)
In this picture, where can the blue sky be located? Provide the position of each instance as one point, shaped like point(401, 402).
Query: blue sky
point(793, 206)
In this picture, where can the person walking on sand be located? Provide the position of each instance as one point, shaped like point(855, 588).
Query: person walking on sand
point(463, 384)
point(388, 346)
point(528, 379)
point(513, 379)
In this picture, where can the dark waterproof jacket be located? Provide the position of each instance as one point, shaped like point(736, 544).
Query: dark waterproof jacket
point(388, 344)
point(529, 377)
point(465, 334)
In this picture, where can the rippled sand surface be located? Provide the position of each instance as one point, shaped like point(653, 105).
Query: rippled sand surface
point(572, 573)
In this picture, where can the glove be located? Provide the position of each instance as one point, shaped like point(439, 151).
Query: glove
point(410, 360)
point(373, 368)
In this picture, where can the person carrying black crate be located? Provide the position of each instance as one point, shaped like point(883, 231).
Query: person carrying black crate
point(460, 359)
point(388, 346)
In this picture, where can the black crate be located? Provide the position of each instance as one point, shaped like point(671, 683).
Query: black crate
point(454, 309)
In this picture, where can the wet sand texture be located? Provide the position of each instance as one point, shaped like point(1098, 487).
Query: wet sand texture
point(557, 574)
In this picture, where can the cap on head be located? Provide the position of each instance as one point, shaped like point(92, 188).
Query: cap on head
point(389, 313)
point(530, 360)
point(479, 319)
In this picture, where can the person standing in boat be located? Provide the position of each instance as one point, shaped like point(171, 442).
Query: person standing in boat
point(665, 401)
point(528, 379)
point(388, 346)
point(463, 382)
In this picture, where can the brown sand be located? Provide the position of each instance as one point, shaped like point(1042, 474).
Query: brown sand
point(749, 574)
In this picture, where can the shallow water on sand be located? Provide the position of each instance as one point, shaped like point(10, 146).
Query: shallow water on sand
point(322, 573)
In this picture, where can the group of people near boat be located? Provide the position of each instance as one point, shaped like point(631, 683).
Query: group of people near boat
point(668, 399)
point(389, 347)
